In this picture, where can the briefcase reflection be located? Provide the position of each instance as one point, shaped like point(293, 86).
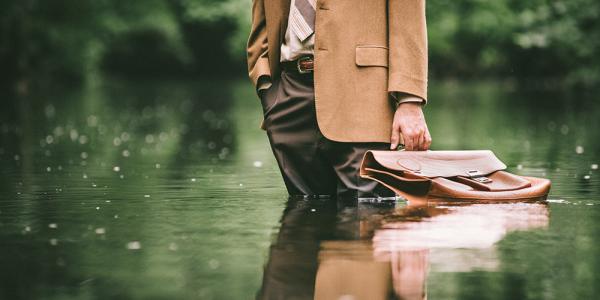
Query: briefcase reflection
point(406, 243)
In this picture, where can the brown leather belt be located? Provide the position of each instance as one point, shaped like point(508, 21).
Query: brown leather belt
point(302, 65)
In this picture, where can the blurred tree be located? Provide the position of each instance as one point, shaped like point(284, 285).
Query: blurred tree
point(534, 39)
point(43, 38)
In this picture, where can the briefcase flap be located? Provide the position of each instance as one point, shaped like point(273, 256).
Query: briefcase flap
point(432, 164)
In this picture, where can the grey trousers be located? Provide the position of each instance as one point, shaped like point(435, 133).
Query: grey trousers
point(311, 164)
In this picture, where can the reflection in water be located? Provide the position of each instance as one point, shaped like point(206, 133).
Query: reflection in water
point(290, 271)
point(180, 167)
point(327, 250)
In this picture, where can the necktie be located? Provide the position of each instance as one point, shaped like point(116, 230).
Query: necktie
point(303, 18)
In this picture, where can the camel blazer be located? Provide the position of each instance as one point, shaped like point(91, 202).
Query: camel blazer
point(364, 49)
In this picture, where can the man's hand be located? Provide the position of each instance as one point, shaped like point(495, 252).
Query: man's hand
point(409, 122)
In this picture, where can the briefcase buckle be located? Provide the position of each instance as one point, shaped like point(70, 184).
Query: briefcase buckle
point(478, 176)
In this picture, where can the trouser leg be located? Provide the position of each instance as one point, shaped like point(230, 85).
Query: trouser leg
point(345, 159)
point(294, 137)
point(310, 163)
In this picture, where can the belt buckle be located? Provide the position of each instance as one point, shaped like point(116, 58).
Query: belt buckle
point(301, 59)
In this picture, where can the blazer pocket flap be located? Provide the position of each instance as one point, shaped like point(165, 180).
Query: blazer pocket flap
point(372, 56)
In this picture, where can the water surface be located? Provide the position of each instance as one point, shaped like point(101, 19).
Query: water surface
point(168, 190)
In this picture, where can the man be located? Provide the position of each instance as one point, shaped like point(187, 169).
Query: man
point(337, 78)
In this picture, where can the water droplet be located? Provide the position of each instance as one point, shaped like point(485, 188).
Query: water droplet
point(564, 129)
point(520, 167)
point(49, 139)
point(121, 176)
point(84, 155)
point(73, 134)
point(97, 207)
point(116, 216)
point(85, 176)
point(53, 225)
point(117, 141)
point(83, 139)
point(49, 111)
point(173, 247)
point(193, 179)
point(17, 157)
point(579, 149)
point(27, 228)
point(586, 177)
point(58, 131)
point(92, 121)
point(100, 230)
point(157, 166)
point(135, 245)
point(53, 242)
point(116, 168)
point(146, 196)
point(213, 264)
point(313, 210)
point(48, 169)
point(126, 153)
point(556, 201)
point(163, 136)
point(594, 166)
point(149, 139)
point(223, 153)
point(258, 164)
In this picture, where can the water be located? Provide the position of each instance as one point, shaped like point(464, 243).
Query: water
point(168, 190)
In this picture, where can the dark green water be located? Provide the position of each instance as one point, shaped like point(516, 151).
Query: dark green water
point(168, 190)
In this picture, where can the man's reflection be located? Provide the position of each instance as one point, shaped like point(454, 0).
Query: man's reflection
point(290, 271)
point(329, 250)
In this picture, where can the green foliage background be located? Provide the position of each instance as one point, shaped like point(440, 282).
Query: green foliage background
point(534, 39)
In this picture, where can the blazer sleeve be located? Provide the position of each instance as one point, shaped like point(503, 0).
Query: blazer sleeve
point(257, 47)
point(407, 47)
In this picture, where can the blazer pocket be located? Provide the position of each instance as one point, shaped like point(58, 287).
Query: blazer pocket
point(371, 55)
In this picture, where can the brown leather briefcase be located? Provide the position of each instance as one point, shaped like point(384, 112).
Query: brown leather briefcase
point(453, 175)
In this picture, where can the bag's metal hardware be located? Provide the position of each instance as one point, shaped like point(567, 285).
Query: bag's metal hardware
point(474, 173)
point(482, 179)
point(478, 176)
